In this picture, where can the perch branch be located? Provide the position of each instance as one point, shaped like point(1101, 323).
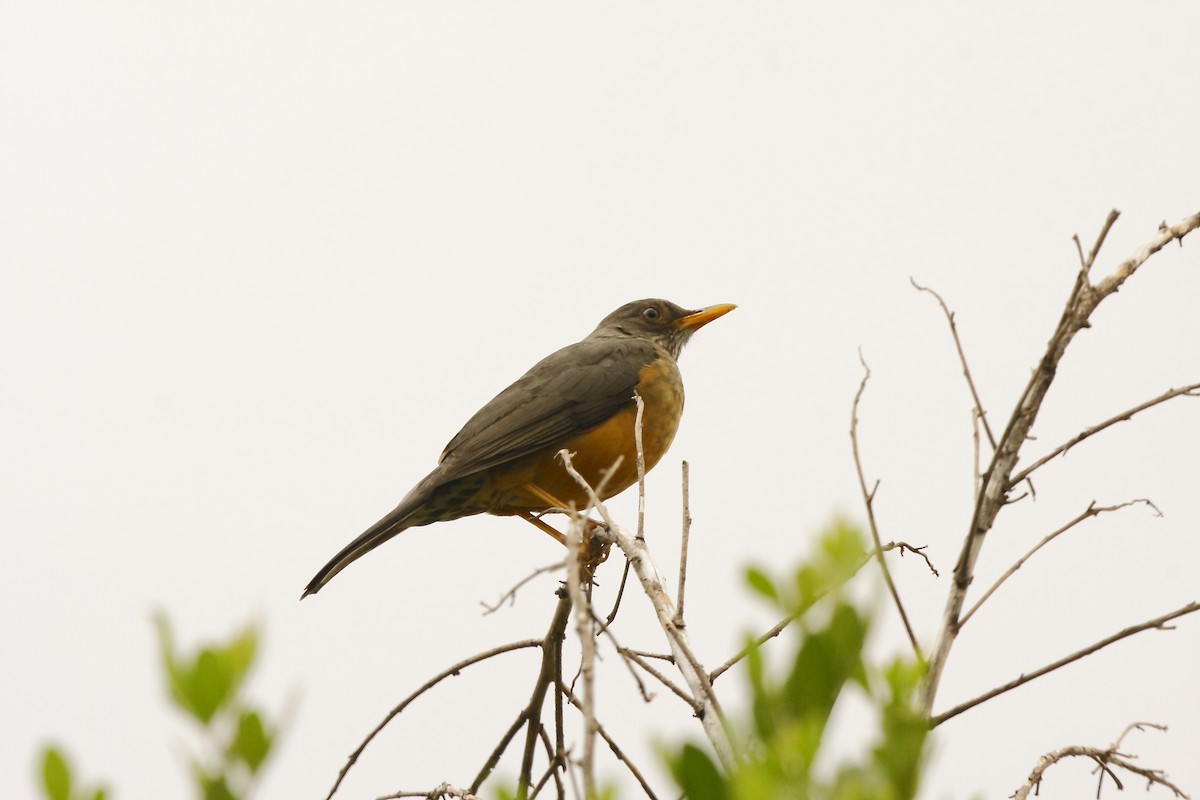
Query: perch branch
point(587, 643)
point(693, 673)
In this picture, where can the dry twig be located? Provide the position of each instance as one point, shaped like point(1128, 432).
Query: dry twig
point(779, 627)
point(1184, 391)
point(1159, 623)
point(454, 670)
point(587, 642)
point(1105, 760)
point(683, 545)
point(510, 596)
point(693, 673)
point(1091, 511)
point(869, 501)
point(998, 478)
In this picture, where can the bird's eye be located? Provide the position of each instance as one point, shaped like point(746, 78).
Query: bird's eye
point(650, 313)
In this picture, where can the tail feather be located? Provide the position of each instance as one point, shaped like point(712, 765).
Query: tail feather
point(395, 522)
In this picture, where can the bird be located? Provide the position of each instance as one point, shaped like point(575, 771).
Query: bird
point(505, 459)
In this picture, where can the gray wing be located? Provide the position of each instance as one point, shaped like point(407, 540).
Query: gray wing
point(568, 392)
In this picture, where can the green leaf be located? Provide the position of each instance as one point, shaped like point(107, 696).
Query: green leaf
point(758, 580)
point(207, 685)
point(216, 788)
point(698, 776)
point(177, 679)
point(56, 775)
point(251, 743)
point(825, 662)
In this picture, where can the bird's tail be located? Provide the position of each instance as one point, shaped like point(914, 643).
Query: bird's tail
point(396, 521)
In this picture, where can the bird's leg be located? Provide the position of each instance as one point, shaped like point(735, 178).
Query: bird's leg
point(542, 526)
point(595, 551)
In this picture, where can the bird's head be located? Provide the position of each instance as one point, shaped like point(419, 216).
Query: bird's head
point(660, 321)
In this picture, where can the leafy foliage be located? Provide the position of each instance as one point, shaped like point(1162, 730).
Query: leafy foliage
point(791, 708)
point(56, 779)
point(206, 686)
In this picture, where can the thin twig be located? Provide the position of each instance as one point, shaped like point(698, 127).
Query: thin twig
point(997, 479)
point(454, 670)
point(1157, 622)
point(779, 627)
point(636, 550)
point(640, 659)
point(869, 502)
point(1109, 221)
point(612, 615)
point(497, 751)
point(605, 630)
point(1192, 390)
point(1091, 511)
point(555, 758)
point(437, 793)
point(1103, 758)
point(511, 595)
point(616, 749)
point(962, 359)
point(546, 676)
point(683, 547)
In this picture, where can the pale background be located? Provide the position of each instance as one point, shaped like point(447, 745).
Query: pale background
point(259, 261)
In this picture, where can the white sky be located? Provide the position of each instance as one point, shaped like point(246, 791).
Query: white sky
point(259, 261)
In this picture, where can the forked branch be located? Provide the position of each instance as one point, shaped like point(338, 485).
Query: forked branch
point(998, 477)
point(1106, 760)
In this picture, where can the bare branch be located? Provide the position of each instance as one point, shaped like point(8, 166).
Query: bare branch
point(436, 793)
point(510, 596)
point(1105, 760)
point(616, 749)
point(869, 502)
point(454, 670)
point(1091, 511)
point(612, 615)
point(905, 547)
point(497, 752)
point(981, 415)
point(587, 642)
point(640, 659)
point(1156, 623)
point(1109, 221)
point(1166, 235)
point(604, 630)
point(683, 545)
point(636, 550)
point(997, 479)
point(779, 627)
point(1192, 390)
point(547, 675)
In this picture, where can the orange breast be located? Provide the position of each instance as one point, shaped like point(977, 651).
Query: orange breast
point(596, 450)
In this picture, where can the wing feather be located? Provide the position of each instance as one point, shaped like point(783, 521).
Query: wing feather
point(568, 392)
